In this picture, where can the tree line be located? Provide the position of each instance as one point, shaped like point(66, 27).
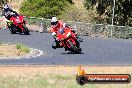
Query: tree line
point(122, 10)
point(104, 8)
point(44, 8)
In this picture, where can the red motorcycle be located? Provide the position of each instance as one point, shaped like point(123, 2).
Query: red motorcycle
point(17, 24)
point(69, 41)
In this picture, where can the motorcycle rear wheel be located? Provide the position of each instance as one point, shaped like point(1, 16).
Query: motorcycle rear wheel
point(26, 31)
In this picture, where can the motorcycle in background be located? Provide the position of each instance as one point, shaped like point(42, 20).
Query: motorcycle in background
point(17, 24)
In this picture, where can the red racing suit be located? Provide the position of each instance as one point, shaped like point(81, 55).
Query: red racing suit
point(60, 26)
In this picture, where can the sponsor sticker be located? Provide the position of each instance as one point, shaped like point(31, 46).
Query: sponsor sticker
point(103, 78)
point(83, 78)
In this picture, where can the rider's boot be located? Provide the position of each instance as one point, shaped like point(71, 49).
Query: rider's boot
point(59, 44)
point(54, 45)
point(79, 39)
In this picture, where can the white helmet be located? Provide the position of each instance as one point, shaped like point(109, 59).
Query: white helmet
point(6, 6)
point(54, 21)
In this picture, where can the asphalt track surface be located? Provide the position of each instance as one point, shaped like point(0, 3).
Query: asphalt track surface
point(95, 51)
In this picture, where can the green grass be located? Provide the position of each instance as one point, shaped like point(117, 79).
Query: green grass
point(23, 48)
point(49, 81)
point(41, 81)
point(1, 42)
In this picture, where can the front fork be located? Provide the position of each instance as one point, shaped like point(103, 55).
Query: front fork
point(22, 27)
point(72, 40)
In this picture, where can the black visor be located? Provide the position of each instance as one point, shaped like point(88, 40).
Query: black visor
point(54, 23)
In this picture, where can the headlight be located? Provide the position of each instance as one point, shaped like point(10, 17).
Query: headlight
point(69, 33)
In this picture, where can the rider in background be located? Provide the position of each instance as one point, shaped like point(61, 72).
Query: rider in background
point(58, 26)
point(7, 12)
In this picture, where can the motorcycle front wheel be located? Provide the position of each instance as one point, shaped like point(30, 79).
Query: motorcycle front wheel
point(74, 48)
point(13, 30)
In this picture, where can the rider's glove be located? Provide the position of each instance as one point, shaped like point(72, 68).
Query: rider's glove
point(54, 35)
point(8, 21)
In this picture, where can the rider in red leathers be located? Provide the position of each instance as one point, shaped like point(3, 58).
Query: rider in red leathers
point(57, 26)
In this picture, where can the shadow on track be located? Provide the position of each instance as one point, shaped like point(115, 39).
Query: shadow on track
point(17, 33)
point(23, 34)
point(72, 53)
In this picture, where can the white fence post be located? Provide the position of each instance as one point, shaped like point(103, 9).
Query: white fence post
point(113, 18)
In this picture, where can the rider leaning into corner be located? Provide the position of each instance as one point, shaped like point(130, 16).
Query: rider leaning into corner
point(7, 12)
point(58, 26)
